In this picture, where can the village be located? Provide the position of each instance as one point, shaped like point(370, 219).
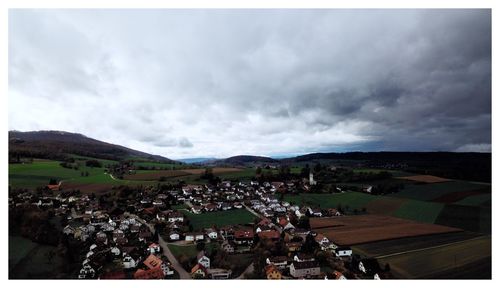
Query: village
point(132, 237)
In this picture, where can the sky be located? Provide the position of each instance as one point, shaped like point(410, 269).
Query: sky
point(219, 83)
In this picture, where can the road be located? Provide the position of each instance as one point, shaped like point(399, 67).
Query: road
point(262, 217)
point(248, 270)
point(166, 251)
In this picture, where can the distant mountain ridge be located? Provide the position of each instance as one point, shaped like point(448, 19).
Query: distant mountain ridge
point(58, 144)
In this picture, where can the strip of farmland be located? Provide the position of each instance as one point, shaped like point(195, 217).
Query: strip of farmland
point(351, 230)
point(443, 259)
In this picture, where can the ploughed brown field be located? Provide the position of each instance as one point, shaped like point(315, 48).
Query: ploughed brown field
point(425, 178)
point(155, 175)
point(351, 230)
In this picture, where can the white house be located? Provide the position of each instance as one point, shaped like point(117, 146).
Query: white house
point(304, 269)
point(343, 252)
point(203, 260)
point(174, 236)
point(129, 262)
point(154, 248)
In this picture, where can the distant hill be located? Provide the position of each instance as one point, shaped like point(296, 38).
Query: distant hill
point(244, 160)
point(58, 144)
point(197, 160)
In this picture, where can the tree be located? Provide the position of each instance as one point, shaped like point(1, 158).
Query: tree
point(258, 171)
point(310, 245)
point(200, 245)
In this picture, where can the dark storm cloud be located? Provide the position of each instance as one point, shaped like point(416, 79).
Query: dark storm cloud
point(224, 82)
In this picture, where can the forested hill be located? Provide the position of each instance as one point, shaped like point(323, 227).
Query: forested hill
point(58, 145)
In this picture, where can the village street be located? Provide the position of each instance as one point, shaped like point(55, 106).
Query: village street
point(166, 251)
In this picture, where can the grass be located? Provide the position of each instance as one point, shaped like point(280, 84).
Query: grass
point(475, 200)
point(32, 260)
point(419, 211)
point(39, 173)
point(189, 251)
point(434, 190)
point(355, 200)
point(219, 218)
point(159, 165)
point(428, 262)
point(19, 247)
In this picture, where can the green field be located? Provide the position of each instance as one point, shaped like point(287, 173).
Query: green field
point(355, 200)
point(39, 173)
point(219, 218)
point(448, 258)
point(189, 250)
point(29, 260)
point(476, 200)
point(419, 211)
point(432, 191)
point(159, 165)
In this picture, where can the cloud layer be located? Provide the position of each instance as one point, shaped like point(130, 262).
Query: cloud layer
point(189, 83)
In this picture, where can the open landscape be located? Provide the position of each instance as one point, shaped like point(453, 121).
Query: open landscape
point(234, 144)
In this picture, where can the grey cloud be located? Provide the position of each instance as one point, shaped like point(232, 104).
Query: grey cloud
point(255, 81)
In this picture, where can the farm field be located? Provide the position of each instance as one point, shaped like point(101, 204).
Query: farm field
point(424, 178)
point(351, 230)
point(219, 218)
point(152, 175)
point(430, 191)
point(420, 211)
point(476, 200)
point(380, 248)
point(355, 200)
point(39, 173)
point(30, 260)
point(467, 217)
point(443, 259)
point(395, 173)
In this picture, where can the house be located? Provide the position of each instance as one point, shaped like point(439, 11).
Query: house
point(304, 269)
point(321, 239)
point(199, 271)
point(175, 216)
point(155, 273)
point(303, 257)
point(272, 235)
point(174, 236)
point(293, 246)
point(211, 233)
point(343, 251)
point(280, 262)
point(333, 212)
point(272, 273)
point(203, 259)
point(194, 236)
point(370, 267)
point(368, 189)
point(115, 251)
point(68, 230)
point(128, 262)
point(196, 209)
point(87, 272)
point(338, 275)
point(226, 246)
point(154, 248)
point(242, 237)
point(219, 273)
point(316, 212)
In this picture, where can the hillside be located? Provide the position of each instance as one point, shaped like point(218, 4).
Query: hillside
point(58, 145)
point(243, 160)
